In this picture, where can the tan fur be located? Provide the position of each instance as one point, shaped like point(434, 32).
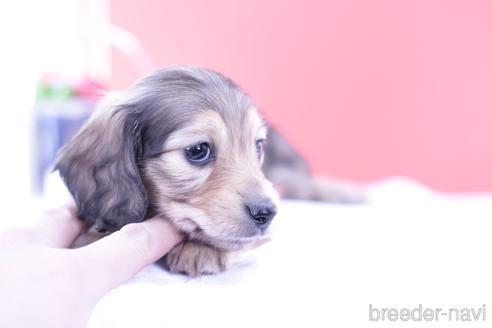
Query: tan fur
point(196, 259)
point(208, 203)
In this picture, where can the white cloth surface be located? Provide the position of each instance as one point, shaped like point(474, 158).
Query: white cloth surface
point(327, 263)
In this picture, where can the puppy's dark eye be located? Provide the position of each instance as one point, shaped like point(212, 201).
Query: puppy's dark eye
point(199, 154)
point(260, 144)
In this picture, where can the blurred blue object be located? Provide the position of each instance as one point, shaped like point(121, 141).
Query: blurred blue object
point(60, 110)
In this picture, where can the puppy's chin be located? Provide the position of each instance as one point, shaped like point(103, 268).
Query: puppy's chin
point(227, 243)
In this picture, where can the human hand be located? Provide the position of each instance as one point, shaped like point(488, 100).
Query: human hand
point(44, 284)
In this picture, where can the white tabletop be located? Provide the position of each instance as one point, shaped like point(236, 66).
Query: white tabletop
point(327, 264)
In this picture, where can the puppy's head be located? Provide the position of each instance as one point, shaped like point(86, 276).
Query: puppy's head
point(185, 143)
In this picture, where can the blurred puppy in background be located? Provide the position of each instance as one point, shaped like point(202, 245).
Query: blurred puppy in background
point(186, 144)
point(290, 174)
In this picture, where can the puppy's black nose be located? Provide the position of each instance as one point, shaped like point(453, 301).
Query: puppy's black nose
point(262, 212)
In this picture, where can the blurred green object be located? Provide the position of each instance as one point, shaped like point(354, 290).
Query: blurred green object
point(47, 91)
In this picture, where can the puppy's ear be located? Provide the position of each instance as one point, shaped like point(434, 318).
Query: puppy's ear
point(100, 168)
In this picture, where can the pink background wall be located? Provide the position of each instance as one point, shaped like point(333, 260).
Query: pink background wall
point(365, 89)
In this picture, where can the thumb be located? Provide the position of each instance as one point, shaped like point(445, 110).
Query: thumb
point(119, 256)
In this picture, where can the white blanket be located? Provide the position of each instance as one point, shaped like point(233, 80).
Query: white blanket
point(326, 265)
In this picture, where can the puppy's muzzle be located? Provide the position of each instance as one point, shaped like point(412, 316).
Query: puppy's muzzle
point(261, 211)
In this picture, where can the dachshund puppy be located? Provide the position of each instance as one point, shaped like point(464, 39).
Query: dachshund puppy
point(186, 144)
